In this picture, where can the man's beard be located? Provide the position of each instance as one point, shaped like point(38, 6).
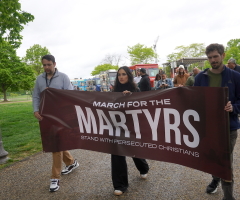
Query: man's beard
point(217, 65)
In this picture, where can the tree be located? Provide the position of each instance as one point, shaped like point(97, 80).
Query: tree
point(112, 59)
point(103, 67)
point(193, 50)
point(12, 20)
point(141, 54)
point(233, 50)
point(14, 74)
point(233, 43)
point(34, 56)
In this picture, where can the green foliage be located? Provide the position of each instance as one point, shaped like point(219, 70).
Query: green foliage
point(34, 56)
point(233, 50)
point(167, 71)
point(141, 54)
point(14, 74)
point(233, 43)
point(206, 65)
point(20, 131)
point(193, 50)
point(103, 67)
point(12, 20)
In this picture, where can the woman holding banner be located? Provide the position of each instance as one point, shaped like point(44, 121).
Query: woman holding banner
point(124, 83)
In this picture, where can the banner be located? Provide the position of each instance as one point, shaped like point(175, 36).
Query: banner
point(186, 125)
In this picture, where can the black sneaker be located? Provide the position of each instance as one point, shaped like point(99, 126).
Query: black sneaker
point(54, 185)
point(69, 168)
point(213, 186)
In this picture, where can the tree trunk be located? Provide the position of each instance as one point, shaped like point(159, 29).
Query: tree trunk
point(5, 95)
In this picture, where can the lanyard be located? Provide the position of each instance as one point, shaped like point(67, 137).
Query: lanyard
point(48, 85)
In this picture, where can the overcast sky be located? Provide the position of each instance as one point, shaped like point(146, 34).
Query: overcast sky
point(81, 33)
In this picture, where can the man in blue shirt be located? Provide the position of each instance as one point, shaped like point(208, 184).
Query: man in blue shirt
point(221, 76)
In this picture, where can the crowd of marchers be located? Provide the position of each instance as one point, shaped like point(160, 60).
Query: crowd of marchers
point(181, 78)
point(219, 75)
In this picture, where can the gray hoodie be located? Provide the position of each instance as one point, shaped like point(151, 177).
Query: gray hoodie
point(59, 81)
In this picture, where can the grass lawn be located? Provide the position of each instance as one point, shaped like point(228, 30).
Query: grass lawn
point(18, 98)
point(20, 131)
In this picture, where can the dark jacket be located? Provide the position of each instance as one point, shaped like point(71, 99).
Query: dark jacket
point(230, 79)
point(144, 84)
point(237, 68)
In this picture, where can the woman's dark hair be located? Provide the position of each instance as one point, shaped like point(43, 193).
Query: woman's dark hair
point(158, 77)
point(49, 58)
point(118, 85)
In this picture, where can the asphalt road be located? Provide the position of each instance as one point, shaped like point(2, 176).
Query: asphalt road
point(29, 180)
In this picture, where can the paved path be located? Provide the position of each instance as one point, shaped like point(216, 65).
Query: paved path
point(29, 180)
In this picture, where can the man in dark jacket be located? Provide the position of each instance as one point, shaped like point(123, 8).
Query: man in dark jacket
point(221, 76)
point(233, 65)
point(144, 84)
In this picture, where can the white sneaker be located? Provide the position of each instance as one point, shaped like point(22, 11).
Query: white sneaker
point(143, 176)
point(69, 168)
point(54, 185)
point(117, 192)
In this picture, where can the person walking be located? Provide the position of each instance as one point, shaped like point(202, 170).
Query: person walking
point(124, 83)
point(54, 79)
point(144, 84)
point(221, 76)
point(191, 79)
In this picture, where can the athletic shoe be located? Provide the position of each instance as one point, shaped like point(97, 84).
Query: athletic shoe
point(143, 176)
point(212, 187)
point(54, 185)
point(71, 167)
point(118, 192)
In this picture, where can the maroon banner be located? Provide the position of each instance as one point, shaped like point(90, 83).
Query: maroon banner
point(186, 126)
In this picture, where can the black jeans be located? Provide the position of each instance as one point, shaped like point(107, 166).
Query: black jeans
point(120, 171)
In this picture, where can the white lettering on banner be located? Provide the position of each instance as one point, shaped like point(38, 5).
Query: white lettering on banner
point(153, 123)
point(179, 150)
point(87, 123)
point(142, 145)
point(162, 102)
point(116, 124)
point(174, 127)
point(134, 114)
point(109, 105)
point(194, 132)
point(109, 127)
point(119, 124)
point(134, 104)
point(90, 138)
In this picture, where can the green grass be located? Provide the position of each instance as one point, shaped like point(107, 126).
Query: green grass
point(20, 131)
point(17, 98)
